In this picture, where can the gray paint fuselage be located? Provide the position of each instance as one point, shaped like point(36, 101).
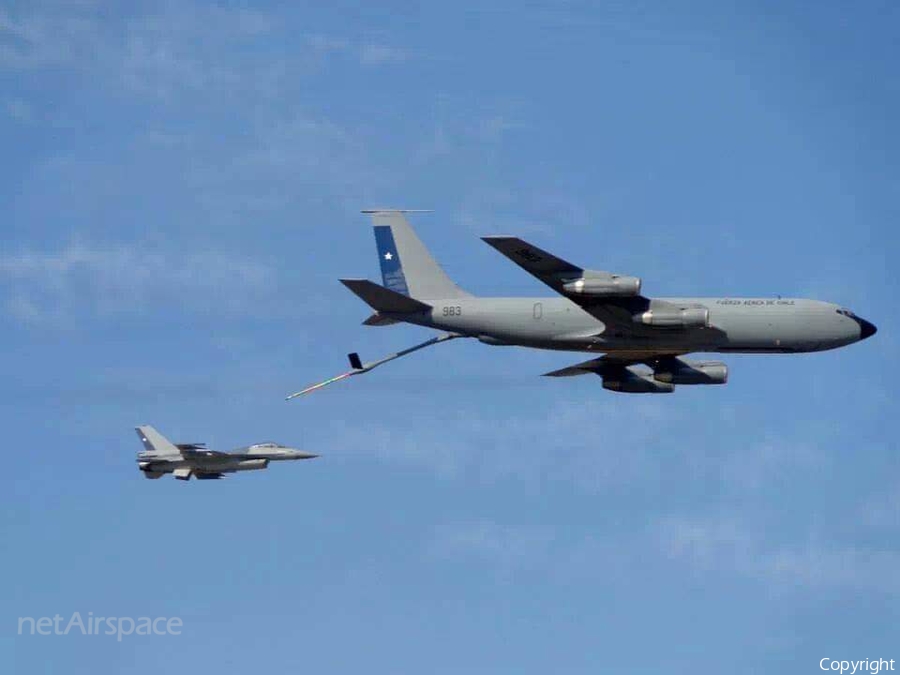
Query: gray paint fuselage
point(222, 463)
point(744, 325)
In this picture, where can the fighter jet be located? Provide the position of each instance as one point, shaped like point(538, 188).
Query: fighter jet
point(643, 340)
point(184, 460)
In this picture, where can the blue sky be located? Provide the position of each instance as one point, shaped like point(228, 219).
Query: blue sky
point(180, 186)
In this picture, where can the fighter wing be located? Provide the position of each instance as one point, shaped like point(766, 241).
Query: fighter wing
point(613, 298)
point(157, 445)
point(194, 450)
point(194, 453)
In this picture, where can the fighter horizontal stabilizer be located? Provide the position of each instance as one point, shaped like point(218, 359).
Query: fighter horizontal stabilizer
point(384, 299)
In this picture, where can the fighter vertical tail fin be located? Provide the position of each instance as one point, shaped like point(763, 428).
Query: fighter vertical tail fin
point(406, 265)
point(155, 443)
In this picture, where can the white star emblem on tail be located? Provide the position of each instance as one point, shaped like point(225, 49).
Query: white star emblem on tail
point(388, 256)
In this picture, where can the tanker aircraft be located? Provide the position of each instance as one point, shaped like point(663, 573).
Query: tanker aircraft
point(184, 460)
point(643, 340)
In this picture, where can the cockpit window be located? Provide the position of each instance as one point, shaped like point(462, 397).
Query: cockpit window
point(846, 312)
point(267, 444)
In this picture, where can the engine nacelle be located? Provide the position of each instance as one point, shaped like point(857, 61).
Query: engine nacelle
point(603, 285)
point(630, 381)
point(680, 371)
point(689, 317)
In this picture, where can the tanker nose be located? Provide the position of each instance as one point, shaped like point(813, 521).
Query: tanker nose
point(866, 328)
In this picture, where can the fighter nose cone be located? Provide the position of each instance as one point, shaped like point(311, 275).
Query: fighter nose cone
point(866, 329)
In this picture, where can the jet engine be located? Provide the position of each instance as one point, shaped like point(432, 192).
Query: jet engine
point(630, 381)
point(687, 317)
point(603, 285)
point(680, 371)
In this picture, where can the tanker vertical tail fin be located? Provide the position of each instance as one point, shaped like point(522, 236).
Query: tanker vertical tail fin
point(406, 265)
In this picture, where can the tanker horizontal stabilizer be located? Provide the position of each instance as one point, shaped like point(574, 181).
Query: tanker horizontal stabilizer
point(383, 299)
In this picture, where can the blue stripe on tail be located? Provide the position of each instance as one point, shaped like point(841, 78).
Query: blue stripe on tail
point(391, 269)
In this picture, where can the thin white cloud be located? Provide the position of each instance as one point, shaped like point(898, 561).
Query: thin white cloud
point(325, 43)
point(882, 510)
point(19, 110)
point(379, 55)
point(768, 460)
point(722, 545)
point(706, 543)
point(180, 50)
point(193, 57)
point(53, 286)
point(368, 54)
point(505, 547)
point(601, 442)
point(726, 544)
point(596, 445)
point(494, 128)
point(175, 50)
